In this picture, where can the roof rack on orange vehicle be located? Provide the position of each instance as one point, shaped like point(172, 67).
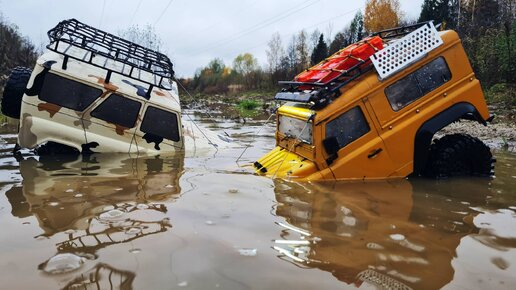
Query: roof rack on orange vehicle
point(322, 82)
point(328, 76)
point(76, 40)
point(340, 62)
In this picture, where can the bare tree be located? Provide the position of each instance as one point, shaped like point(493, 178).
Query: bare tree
point(329, 32)
point(314, 39)
point(274, 53)
point(143, 35)
point(303, 58)
point(289, 61)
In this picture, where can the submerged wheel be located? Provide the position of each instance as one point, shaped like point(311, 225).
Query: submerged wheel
point(14, 90)
point(53, 148)
point(459, 155)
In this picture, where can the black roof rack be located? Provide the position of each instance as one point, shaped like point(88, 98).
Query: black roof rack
point(321, 94)
point(84, 43)
point(400, 31)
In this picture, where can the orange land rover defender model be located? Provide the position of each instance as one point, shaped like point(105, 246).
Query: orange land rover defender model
point(370, 111)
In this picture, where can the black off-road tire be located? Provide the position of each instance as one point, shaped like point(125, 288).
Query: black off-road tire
point(459, 155)
point(53, 149)
point(14, 90)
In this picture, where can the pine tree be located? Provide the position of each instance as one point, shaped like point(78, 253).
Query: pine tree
point(441, 11)
point(356, 28)
point(338, 43)
point(320, 52)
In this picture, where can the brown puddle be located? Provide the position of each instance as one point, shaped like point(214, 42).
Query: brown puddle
point(112, 221)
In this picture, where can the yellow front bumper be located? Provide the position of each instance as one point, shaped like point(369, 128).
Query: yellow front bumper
point(280, 163)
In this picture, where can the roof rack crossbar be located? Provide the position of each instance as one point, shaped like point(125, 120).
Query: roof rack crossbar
point(400, 31)
point(115, 50)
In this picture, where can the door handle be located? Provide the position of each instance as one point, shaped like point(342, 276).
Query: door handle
point(374, 153)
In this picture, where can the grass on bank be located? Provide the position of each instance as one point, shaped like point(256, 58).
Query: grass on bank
point(502, 94)
point(249, 108)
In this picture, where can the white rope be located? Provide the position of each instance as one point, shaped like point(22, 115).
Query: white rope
point(254, 137)
point(191, 120)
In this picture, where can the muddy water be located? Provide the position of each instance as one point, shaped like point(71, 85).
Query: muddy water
point(205, 222)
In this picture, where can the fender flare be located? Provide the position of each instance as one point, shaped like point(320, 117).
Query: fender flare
point(426, 132)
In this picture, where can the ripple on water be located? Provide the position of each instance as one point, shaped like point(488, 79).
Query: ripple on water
point(142, 206)
point(500, 263)
point(63, 263)
point(248, 252)
point(133, 231)
point(374, 246)
point(112, 215)
point(397, 237)
point(182, 284)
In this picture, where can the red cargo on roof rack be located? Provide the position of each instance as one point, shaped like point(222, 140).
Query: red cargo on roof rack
point(344, 59)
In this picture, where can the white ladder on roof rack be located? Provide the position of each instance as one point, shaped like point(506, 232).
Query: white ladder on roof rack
point(406, 50)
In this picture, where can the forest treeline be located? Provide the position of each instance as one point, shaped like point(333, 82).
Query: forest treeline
point(15, 50)
point(486, 27)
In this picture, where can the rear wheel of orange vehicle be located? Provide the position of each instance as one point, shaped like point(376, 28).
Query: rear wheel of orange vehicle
point(459, 155)
point(14, 90)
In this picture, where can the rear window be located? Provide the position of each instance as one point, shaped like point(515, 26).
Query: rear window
point(417, 84)
point(160, 123)
point(348, 127)
point(118, 110)
point(67, 93)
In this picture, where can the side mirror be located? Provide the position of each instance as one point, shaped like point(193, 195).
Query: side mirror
point(331, 145)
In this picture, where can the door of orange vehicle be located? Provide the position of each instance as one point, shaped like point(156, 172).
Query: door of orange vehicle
point(353, 148)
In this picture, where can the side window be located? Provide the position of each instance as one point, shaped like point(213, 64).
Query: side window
point(118, 110)
point(417, 84)
point(348, 127)
point(67, 93)
point(160, 123)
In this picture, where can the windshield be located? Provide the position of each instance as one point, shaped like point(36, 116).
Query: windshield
point(296, 128)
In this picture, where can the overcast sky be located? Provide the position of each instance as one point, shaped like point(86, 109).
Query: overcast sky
point(195, 31)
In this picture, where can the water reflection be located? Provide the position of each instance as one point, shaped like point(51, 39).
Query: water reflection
point(89, 203)
point(103, 276)
point(386, 234)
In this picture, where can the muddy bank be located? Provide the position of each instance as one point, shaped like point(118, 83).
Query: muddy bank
point(501, 134)
point(496, 136)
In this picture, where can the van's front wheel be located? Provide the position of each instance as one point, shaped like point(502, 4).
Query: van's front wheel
point(459, 155)
point(14, 90)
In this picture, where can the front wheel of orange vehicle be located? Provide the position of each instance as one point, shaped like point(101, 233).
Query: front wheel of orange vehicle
point(14, 90)
point(459, 155)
